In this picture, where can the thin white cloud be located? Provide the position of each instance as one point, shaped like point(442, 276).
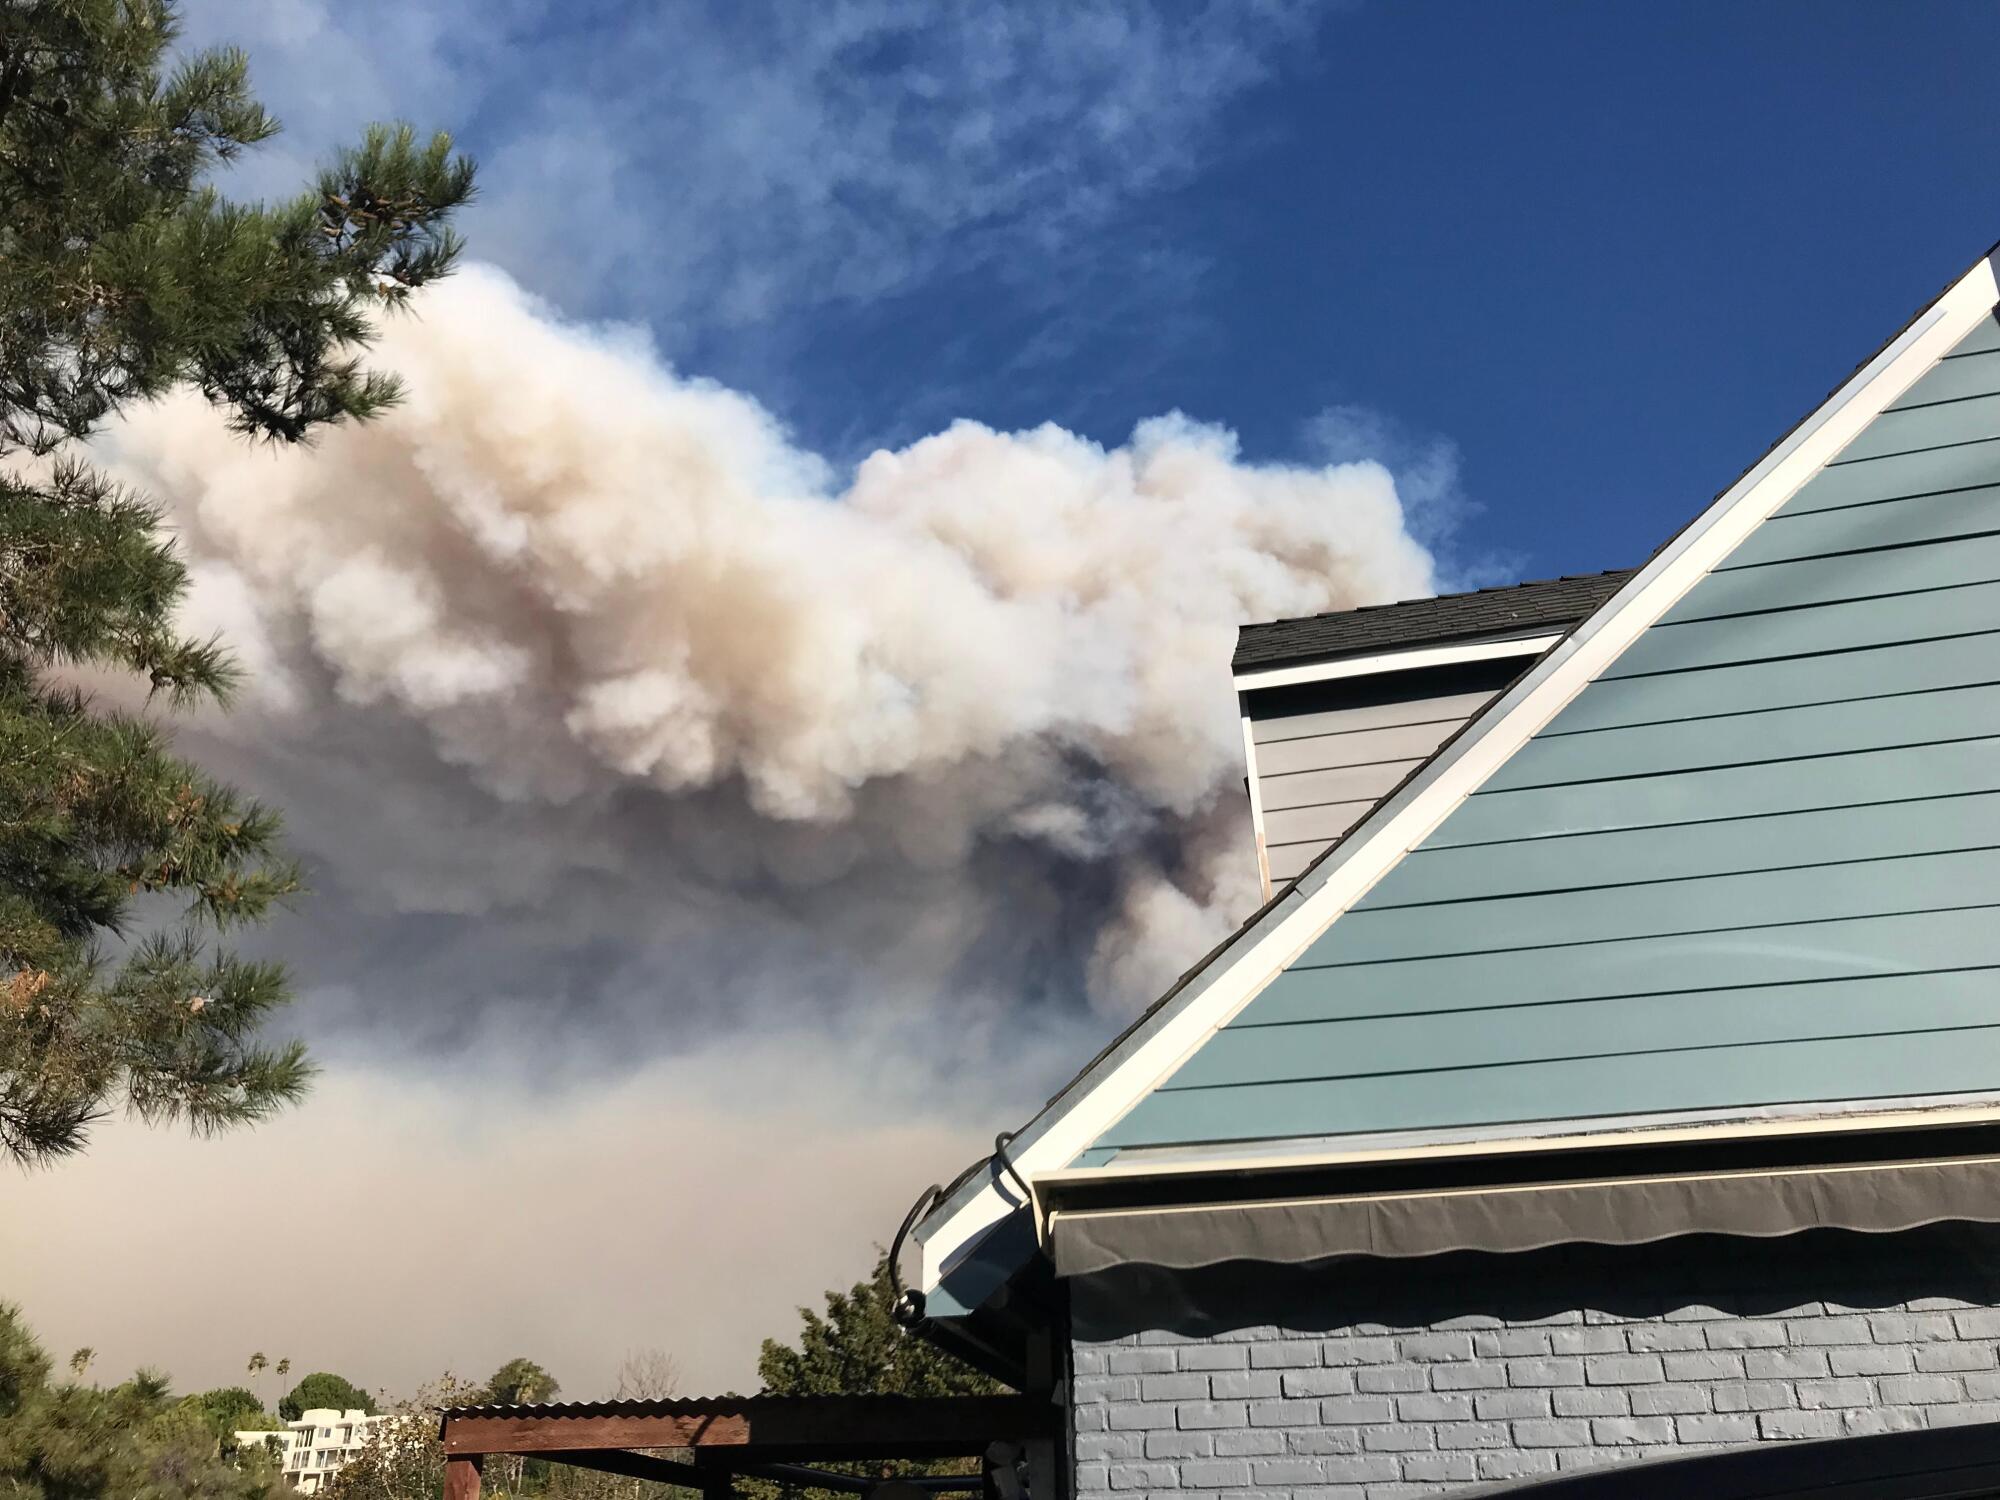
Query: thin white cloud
point(719, 164)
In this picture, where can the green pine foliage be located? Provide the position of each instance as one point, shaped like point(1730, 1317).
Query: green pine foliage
point(132, 1441)
point(858, 1348)
point(230, 1409)
point(520, 1382)
point(125, 274)
point(324, 1390)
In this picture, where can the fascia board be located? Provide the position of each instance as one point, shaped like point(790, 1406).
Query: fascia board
point(1408, 660)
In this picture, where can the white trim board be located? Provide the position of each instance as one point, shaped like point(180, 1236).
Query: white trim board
point(1849, 1117)
point(1256, 803)
point(1079, 1117)
point(1396, 661)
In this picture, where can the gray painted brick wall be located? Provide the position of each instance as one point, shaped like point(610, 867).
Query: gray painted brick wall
point(1386, 1379)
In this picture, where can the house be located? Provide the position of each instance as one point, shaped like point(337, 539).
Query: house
point(314, 1448)
point(1614, 1071)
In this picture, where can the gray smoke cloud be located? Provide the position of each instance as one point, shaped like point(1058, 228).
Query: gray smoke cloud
point(709, 847)
point(395, 1228)
point(573, 639)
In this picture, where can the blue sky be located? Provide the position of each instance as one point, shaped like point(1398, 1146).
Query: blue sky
point(1608, 253)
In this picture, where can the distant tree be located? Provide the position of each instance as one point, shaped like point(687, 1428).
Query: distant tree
point(322, 1388)
point(125, 275)
point(80, 1361)
point(132, 1441)
point(404, 1460)
point(231, 1408)
point(284, 1368)
point(858, 1347)
point(648, 1375)
point(24, 1368)
point(521, 1382)
point(149, 1386)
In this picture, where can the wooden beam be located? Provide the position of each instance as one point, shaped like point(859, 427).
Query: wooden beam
point(461, 1478)
point(773, 1429)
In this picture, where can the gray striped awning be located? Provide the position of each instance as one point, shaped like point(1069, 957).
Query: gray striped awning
point(1876, 1197)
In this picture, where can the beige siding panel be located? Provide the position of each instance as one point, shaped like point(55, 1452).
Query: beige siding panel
point(1325, 823)
point(1456, 708)
point(1318, 774)
point(1404, 742)
point(1288, 861)
point(1343, 784)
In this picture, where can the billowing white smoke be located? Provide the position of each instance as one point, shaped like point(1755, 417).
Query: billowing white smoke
point(616, 623)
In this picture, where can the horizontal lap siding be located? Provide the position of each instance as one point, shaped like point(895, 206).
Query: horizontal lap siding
point(1854, 625)
point(1796, 1072)
point(1848, 577)
point(1337, 784)
point(1452, 708)
point(1756, 862)
point(1597, 914)
point(1687, 851)
point(1878, 672)
point(1975, 420)
point(1778, 953)
point(1295, 836)
point(1862, 778)
point(1984, 339)
point(1319, 773)
point(1955, 379)
point(1886, 523)
point(1823, 729)
point(1404, 742)
point(1955, 1000)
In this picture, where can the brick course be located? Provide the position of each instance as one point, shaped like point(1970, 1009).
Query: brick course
point(1373, 1380)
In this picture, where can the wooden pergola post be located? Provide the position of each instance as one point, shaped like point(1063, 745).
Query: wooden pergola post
point(461, 1476)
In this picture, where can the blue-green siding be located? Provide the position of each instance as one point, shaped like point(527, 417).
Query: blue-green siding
point(1757, 862)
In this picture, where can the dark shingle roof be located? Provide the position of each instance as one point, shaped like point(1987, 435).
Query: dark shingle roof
point(1423, 622)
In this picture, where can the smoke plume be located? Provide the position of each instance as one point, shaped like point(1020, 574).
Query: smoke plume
point(706, 843)
point(588, 650)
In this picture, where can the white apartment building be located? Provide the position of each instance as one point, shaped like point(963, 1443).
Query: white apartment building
point(315, 1446)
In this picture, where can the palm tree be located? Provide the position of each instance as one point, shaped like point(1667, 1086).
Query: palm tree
point(80, 1361)
point(284, 1368)
point(258, 1364)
